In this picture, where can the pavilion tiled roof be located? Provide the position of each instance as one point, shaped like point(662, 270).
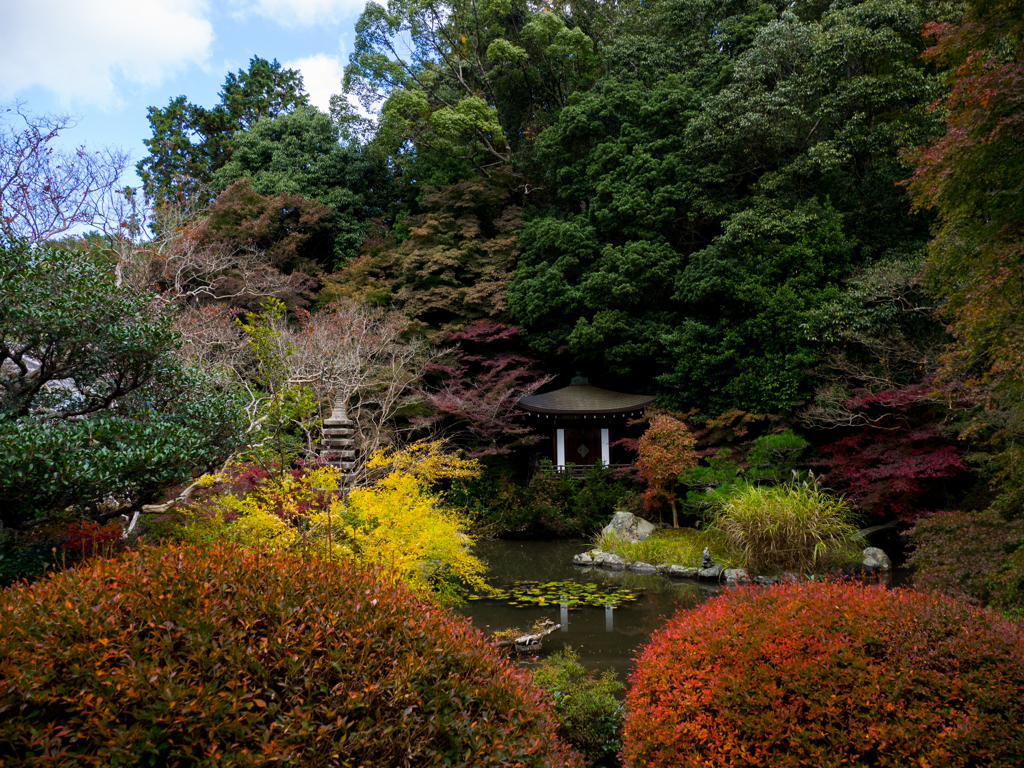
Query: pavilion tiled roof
point(581, 399)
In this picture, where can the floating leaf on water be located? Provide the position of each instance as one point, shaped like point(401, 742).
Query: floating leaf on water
point(573, 595)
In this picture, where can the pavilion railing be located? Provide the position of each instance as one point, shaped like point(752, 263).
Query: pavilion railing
point(575, 470)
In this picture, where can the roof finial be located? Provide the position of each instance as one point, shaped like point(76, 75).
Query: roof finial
point(579, 378)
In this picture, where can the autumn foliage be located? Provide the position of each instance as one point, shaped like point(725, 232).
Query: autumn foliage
point(899, 464)
point(227, 656)
point(665, 451)
point(399, 522)
point(480, 385)
point(972, 176)
point(828, 674)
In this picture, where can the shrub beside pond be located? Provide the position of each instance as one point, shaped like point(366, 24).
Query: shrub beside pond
point(551, 503)
point(976, 555)
point(792, 527)
point(828, 674)
point(589, 715)
point(222, 655)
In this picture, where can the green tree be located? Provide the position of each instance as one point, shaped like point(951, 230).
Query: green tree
point(480, 81)
point(706, 199)
point(300, 153)
point(283, 412)
point(93, 406)
point(190, 143)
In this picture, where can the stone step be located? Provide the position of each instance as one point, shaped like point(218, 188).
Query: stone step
point(346, 478)
point(333, 422)
point(338, 443)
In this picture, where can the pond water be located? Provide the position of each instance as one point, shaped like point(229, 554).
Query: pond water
point(606, 638)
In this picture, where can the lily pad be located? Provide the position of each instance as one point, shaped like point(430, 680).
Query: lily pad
point(569, 593)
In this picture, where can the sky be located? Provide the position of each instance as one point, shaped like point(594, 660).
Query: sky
point(105, 61)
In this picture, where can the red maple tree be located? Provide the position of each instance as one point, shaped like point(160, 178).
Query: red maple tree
point(480, 386)
point(892, 467)
point(665, 450)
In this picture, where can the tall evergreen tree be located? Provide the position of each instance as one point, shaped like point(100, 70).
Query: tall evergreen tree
point(190, 143)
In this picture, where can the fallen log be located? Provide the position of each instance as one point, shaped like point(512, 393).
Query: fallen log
point(532, 642)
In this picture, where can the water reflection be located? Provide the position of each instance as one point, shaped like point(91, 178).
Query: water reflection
point(604, 642)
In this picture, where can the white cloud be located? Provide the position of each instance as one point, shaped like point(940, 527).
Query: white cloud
point(302, 13)
point(77, 49)
point(321, 74)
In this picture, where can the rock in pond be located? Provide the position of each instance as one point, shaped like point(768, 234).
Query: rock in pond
point(766, 581)
point(736, 576)
point(629, 527)
point(642, 568)
point(583, 558)
point(876, 557)
point(609, 561)
point(713, 573)
point(681, 571)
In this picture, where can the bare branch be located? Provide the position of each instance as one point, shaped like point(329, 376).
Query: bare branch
point(46, 191)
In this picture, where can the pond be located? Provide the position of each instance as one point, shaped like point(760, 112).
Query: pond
point(605, 637)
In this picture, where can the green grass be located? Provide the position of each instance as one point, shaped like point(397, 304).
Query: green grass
point(676, 546)
point(791, 527)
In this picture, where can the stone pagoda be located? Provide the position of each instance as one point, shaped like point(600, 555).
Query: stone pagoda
point(339, 441)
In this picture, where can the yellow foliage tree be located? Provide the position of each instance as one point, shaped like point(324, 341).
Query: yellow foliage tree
point(400, 523)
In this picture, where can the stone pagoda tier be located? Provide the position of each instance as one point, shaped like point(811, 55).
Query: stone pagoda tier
point(339, 441)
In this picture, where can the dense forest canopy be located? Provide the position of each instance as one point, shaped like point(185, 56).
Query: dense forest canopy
point(803, 209)
point(694, 178)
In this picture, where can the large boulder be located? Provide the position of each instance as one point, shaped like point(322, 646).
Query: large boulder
point(875, 557)
point(629, 527)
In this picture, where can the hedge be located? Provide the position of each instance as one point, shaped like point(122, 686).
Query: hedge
point(829, 674)
point(220, 656)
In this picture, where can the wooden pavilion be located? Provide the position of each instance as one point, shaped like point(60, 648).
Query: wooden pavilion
point(582, 421)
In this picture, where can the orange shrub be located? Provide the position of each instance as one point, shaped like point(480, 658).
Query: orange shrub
point(224, 656)
point(825, 674)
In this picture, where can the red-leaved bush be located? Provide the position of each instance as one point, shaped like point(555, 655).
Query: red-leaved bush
point(479, 388)
point(224, 656)
point(81, 539)
point(901, 463)
point(829, 674)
